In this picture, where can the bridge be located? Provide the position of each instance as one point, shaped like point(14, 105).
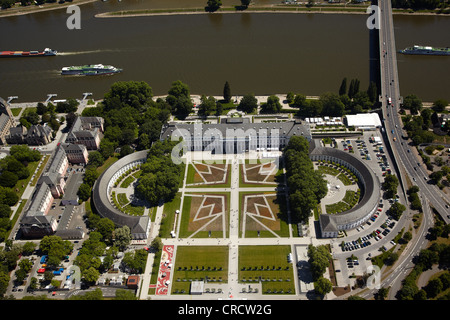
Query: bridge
point(408, 165)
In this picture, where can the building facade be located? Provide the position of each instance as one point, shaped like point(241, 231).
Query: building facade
point(6, 120)
point(86, 131)
point(76, 153)
point(235, 135)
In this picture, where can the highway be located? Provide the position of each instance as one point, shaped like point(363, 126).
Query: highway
point(409, 165)
point(413, 167)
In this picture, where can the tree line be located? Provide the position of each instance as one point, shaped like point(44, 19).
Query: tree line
point(5, 4)
point(420, 4)
point(306, 186)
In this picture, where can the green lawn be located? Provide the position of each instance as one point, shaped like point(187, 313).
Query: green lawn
point(128, 180)
point(16, 111)
point(106, 164)
point(268, 264)
point(169, 216)
point(198, 262)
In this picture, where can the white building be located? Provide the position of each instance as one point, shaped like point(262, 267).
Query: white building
point(363, 121)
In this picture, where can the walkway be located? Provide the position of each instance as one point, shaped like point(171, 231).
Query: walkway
point(232, 289)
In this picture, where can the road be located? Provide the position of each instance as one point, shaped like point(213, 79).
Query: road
point(408, 163)
point(390, 89)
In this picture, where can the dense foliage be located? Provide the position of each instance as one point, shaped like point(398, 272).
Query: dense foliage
point(420, 4)
point(319, 260)
point(161, 177)
point(306, 186)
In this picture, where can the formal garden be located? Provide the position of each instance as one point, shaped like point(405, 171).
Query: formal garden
point(347, 196)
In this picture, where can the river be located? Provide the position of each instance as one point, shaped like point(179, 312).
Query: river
point(260, 53)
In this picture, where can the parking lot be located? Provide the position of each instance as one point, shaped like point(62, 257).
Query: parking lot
point(354, 251)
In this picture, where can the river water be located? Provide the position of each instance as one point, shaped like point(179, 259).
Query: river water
point(260, 53)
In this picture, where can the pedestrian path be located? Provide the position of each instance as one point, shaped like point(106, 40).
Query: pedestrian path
point(233, 289)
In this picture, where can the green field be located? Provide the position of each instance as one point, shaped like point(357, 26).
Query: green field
point(169, 216)
point(269, 265)
point(198, 262)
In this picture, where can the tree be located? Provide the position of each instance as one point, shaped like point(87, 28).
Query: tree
point(160, 177)
point(179, 89)
point(219, 108)
point(353, 88)
point(70, 105)
point(106, 148)
point(412, 103)
point(156, 244)
point(28, 248)
point(439, 105)
point(306, 187)
point(24, 153)
point(433, 287)
point(272, 105)
point(143, 142)
point(135, 261)
point(179, 99)
point(372, 92)
point(245, 3)
point(4, 282)
point(322, 286)
point(390, 185)
point(207, 104)
point(122, 237)
point(84, 192)
point(8, 179)
point(427, 258)
point(226, 92)
point(41, 108)
point(213, 5)
point(332, 105)
point(96, 159)
point(122, 294)
point(32, 117)
point(343, 87)
point(319, 258)
point(396, 210)
point(90, 176)
point(125, 150)
point(55, 248)
point(128, 136)
point(91, 275)
point(134, 94)
point(382, 294)
point(5, 211)
point(248, 103)
point(299, 101)
point(106, 228)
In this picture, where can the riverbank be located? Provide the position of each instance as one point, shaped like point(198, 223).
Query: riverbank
point(357, 9)
point(330, 9)
point(20, 10)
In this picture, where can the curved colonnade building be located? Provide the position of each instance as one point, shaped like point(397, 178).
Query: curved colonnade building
point(331, 224)
point(101, 193)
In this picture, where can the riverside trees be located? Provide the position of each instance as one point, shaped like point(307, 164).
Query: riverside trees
point(306, 186)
